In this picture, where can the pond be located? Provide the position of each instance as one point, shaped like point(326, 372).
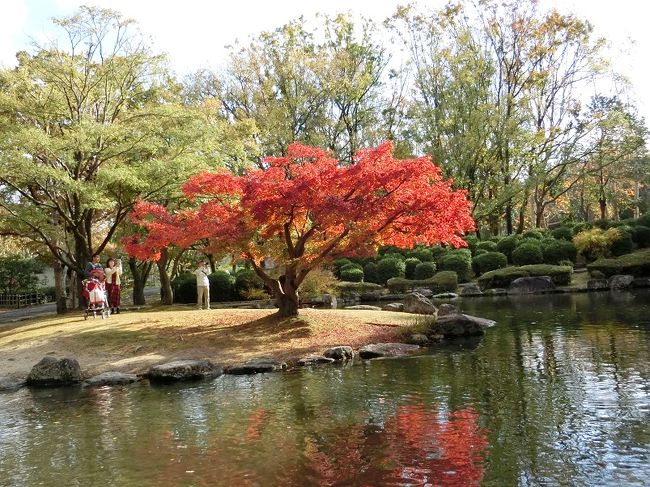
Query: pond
point(558, 393)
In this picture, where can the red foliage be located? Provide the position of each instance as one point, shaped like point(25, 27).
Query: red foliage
point(306, 207)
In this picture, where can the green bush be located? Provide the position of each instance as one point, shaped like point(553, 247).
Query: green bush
point(352, 274)
point(457, 263)
point(487, 245)
point(445, 281)
point(507, 244)
point(184, 288)
point(488, 262)
point(245, 280)
point(370, 273)
point(422, 254)
point(472, 242)
point(562, 233)
point(623, 244)
point(536, 234)
point(394, 255)
point(19, 275)
point(641, 236)
point(479, 252)
point(339, 264)
point(501, 277)
point(527, 253)
point(356, 287)
point(425, 270)
point(595, 243)
point(643, 221)
point(221, 285)
point(409, 267)
point(387, 268)
point(558, 250)
point(438, 254)
point(636, 264)
point(351, 265)
point(530, 241)
point(561, 275)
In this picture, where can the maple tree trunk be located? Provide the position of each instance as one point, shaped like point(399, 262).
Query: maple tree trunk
point(139, 280)
point(166, 293)
point(287, 304)
point(59, 287)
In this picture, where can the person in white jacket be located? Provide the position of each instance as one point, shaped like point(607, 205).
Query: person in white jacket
point(202, 285)
point(113, 271)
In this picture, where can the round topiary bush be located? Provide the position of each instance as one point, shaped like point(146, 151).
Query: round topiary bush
point(558, 250)
point(352, 274)
point(530, 241)
point(390, 267)
point(489, 262)
point(479, 252)
point(641, 236)
point(184, 288)
point(562, 233)
point(623, 244)
point(425, 270)
point(409, 267)
point(370, 273)
point(351, 265)
point(458, 263)
point(221, 285)
point(507, 244)
point(245, 280)
point(527, 253)
point(422, 254)
point(536, 234)
point(643, 221)
point(339, 264)
point(487, 245)
point(438, 253)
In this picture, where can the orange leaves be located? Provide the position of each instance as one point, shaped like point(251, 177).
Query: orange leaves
point(308, 207)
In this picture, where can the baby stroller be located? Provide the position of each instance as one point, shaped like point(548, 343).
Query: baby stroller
point(94, 290)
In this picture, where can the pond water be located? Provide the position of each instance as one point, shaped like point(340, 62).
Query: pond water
point(558, 393)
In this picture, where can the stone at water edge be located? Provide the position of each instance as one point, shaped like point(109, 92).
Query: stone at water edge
point(52, 372)
point(311, 360)
point(445, 296)
point(417, 303)
point(530, 285)
point(363, 307)
point(620, 281)
point(470, 289)
point(447, 309)
point(8, 384)
point(256, 366)
point(342, 352)
point(377, 350)
point(427, 293)
point(393, 307)
point(460, 325)
point(179, 370)
point(111, 379)
point(597, 284)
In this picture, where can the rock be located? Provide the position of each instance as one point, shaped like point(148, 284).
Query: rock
point(256, 366)
point(447, 309)
point(179, 370)
point(416, 303)
point(497, 291)
point(620, 281)
point(460, 325)
point(375, 350)
point(8, 384)
point(529, 285)
point(427, 293)
point(372, 295)
point(393, 297)
point(339, 353)
point(418, 339)
point(329, 301)
point(111, 379)
point(445, 296)
point(365, 307)
point(597, 284)
point(393, 307)
point(470, 289)
point(596, 274)
point(52, 372)
point(313, 360)
point(641, 282)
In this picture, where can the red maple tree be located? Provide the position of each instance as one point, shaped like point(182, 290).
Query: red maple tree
point(306, 209)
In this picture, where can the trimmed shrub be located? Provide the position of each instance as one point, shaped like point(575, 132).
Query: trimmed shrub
point(318, 281)
point(356, 287)
point(487, 245)
point(623, 244)
point(641, 236)
point(438, 254)
point(562, 233)
point(409, 267)
point(488, 262)
point(479, 252)
point(387, 268)
point(352, 274)
point(351, 265)
point(500, 277)
point(221, 285)
point(457, 263)
point(561, 275)
point(472, 242)
point(536, 234)
point(184, 288)
point(425, 270)
point(245, 280)
point(339, 264)
point(527, 253)
point(444, 281)
point(595, 243)
point(643, 220)
point(384, 250)
point(507, 244)
point(422, 254)
point(394, 255)
point(636, 264)
point(530, 241)
point(559, 250)
point(370, 273)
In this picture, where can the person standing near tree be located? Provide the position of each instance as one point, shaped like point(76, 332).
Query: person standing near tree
point(202, 285)
point(113, 271)
point(92, 265)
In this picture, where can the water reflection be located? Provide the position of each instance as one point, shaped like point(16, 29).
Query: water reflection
point(557, 394)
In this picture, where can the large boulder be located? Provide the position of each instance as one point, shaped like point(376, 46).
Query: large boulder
point(641, 282)
point(8, 384)
point(417, 303)
point(447, 309)
point(256, 366)
point(311, 360)
point(597, 284)
point(427, 293)
point(530, 285)
point(393, 307)
point(342, 352)
point(470, 289)
point(364, 307)
point(620, 281)
point(376, 350)
point(53, 372)
point(111, 379)
point(460, 325)
point(180, 370)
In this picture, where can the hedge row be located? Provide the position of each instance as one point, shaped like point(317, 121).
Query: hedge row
point(443, 281)
point(636, 264)
point(561, 275)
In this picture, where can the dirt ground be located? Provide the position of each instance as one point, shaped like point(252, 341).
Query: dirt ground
point(133, 341)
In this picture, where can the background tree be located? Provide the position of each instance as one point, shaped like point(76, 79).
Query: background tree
point(306, 209)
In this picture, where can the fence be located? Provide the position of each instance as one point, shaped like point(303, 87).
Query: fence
point(22, 300)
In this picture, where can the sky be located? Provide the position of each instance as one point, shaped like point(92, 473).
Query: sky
point(194, 32)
